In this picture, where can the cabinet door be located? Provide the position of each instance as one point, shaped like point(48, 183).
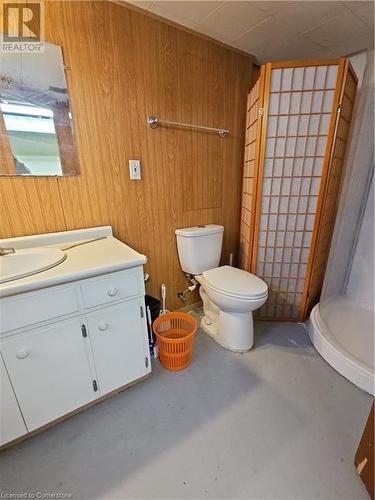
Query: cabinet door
point(119, 342)
point(11, 422)
point(49, 371)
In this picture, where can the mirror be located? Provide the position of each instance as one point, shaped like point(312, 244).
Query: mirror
point(36, 127)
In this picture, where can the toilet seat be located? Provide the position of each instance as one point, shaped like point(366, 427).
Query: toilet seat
point(236, 283)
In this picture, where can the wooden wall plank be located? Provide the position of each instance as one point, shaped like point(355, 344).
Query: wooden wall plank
point(121, 67)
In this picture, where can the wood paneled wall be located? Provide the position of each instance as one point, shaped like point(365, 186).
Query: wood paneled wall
point(122, 67)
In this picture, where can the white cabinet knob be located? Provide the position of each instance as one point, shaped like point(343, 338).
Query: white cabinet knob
point(22, 354)
point(103, 326)
point(112, 292)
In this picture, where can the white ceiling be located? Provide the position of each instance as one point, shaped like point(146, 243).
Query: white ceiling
point(277, 30)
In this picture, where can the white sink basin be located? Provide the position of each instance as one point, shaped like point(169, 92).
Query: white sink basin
point(28, 261)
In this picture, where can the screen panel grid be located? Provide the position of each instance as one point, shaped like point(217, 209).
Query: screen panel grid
point(333, 188)
point(299, 115)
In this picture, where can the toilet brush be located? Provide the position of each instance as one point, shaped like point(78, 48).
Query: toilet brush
point(163, 292)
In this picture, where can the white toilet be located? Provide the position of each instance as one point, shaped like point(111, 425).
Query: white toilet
point(229, 295)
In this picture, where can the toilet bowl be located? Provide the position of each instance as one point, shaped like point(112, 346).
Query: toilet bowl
point(229, 298)
point(229, 295)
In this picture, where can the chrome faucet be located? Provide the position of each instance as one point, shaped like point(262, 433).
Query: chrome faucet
point(6, 251)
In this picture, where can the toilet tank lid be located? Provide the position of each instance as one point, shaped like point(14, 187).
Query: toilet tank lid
point(191, 232)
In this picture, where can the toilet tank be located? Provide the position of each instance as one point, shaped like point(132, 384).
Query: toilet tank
point(199, 247)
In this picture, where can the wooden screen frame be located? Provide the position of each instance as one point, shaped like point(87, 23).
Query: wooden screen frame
point(257, 164)
point(266, 71)
point(343, 72)
point(251, 233)
point(261, 148)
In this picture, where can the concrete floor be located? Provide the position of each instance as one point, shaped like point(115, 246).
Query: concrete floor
point(275, 423)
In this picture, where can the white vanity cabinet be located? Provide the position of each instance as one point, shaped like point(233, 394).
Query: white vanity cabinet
point(68, 345)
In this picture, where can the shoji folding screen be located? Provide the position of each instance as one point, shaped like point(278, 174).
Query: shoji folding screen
point(298, 120)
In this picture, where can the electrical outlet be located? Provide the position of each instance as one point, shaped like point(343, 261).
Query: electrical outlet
point(135, 170)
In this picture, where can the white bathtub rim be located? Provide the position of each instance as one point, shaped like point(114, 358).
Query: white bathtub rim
point(348, 366)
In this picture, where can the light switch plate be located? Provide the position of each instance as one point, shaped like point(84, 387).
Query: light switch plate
point(135, 170)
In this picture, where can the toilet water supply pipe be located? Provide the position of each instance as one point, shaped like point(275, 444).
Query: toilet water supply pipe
point(191, 278)
point(190, 288)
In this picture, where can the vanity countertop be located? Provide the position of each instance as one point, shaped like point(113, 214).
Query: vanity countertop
point(95, 258)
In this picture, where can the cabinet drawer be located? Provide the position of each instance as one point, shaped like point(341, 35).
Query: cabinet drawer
point(37, 307)
point(113, 287)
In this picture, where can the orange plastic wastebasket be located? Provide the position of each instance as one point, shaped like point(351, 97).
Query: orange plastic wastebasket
point(175, 336)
